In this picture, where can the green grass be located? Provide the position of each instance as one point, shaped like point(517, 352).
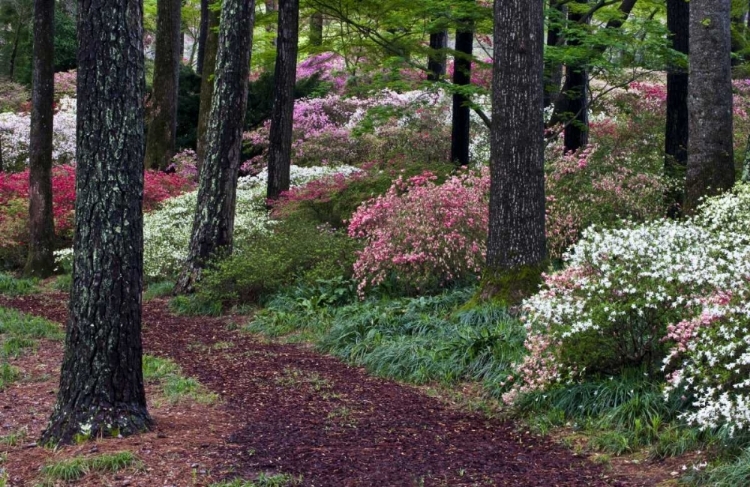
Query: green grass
point(194, 305)
point(63, 283)
point(8, 375)
point(75, 468)
point(263, 480)
point(175, 386)
point(12, 286)
point(15, 438)
point(15, 324)
point(160, 289)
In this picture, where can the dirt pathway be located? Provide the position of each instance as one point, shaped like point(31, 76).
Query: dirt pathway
point(298, 412)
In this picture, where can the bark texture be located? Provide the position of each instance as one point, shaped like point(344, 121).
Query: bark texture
point(41, 262)
point(676, 137)
point(213, 225)
point(101, 381)
point(438, 57)
point(280, 137)
point(162, 127)
point(461, 122)
point(710, 166)
point(207, 84)
point(516, 246)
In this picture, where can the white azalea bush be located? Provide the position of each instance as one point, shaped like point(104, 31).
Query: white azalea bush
point(626, 296)
point(166, 231)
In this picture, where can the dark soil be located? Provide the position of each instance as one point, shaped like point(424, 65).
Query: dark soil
point(285, 408)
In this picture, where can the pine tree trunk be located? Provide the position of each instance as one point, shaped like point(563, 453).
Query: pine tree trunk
point(676, 137)
point(280, 137)
point(41, 262)
point(162, 128)
point(438, 56)
point(316, 29)
point(461, 122)
point(516, 246)
point(710, 166)
point(213, 225)
point(101, 381)
point(202, 36)
point(207, 85)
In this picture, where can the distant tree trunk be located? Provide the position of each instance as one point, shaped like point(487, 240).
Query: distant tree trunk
point(461, 122)
point(202, 36)
point(213, 225)
point(271, 6)
point(553, 71)
point(41, 262)
point(710, 166)
point(14, 53)
point(101, 381)
point(161, 140)
point(438, 56)
point(280, 138)
point(676, 137)
point(516, 246)
point(316, 29)
point(207, 85)
point(572, 104)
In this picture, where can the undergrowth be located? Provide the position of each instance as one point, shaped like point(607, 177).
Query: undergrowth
point(13, 286)
point(75, 468)
point(175, 386)
point(263, 480)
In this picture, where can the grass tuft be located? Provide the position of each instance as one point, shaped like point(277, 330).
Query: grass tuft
point(263, 480)
point(75, 468)
point(13, 286)
point(175, 386)
point(160, 289)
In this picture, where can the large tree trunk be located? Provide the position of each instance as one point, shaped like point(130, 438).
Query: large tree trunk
point(162, 128)
point(41, 262)
point(207, 85)
point(676, 137)
point(202, 36)
point(316, 29)
point(213, 226)
point(461, 122)
point(438, 55)
point(710, 166)
point(101, 381)
point(516, 246)
point(280, 138)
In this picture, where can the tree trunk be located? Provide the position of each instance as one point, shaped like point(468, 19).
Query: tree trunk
point(101, 381)
point(710, 166)
point(41, 262)
point(207, 85)
point(202, 36)
point(316, 29)
point(213, 226)
point(553, 71)
point(516, 246)
point(280, 137)
point(438, 56)
point(572, 106)
point(676, 137)
point(461, 112)
point(14, 53)
point(161, 140)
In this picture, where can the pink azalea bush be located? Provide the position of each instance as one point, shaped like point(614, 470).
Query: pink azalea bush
point(423, 233)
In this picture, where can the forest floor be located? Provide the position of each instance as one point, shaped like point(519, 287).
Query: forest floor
point(285, 408)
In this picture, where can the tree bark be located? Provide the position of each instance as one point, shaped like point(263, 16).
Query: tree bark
point(516, 246)
point(207, 84)
point(438, 56)
point(161, 140)
point(461, 122)
point(710, 166)
point(213, 225)
point(676, 137)
point(41, 261)
point(316, 29)
point(202, 36)
point(553, 71)
point(101, 382)
point(280, 137)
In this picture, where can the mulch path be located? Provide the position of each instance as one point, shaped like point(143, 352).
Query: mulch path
point(285, 408)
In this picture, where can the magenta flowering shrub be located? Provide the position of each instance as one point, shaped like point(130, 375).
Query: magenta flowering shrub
point(65, 84)
point(329, 66)
point(423, 234)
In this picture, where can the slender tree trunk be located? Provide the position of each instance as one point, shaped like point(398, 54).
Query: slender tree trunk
point(438, 55)
point(202, 36)
point(572, 104)
point(213, 226)
point(161, 140)
point(516, 245)
point(710, 166)
point(207, 85)
point(676, 137)
point(41, 262)
point(553, 71)
point(101, 382)
point(316, 29)
point(461, 122)
point(14, 53)
point(280, 138)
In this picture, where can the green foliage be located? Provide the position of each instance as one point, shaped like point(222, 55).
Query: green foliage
point(15, 324)
point(8, 375)
point(63, 283)
point(77, 467)
point(188, 108)
point(263, 480)
point(158, 290)
point(175, 386)
point(12, 286)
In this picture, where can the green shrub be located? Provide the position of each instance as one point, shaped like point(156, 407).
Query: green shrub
point(13, 287)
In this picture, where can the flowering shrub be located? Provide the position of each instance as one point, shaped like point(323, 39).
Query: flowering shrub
point(185, 163)
point(65, 84)
point(423, 234)
point(329, 66)
point(12, 96)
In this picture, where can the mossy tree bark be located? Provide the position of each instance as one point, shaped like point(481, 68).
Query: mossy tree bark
point(280, 137)
point(213, 225)
point(41, 262)
point(710, 164)
point(101, 381)
point(162, 127)
point(516, 246)
point(207, 84)
point(461, 121)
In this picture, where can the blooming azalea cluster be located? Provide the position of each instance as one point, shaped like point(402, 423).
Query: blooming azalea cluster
point(423, 233)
